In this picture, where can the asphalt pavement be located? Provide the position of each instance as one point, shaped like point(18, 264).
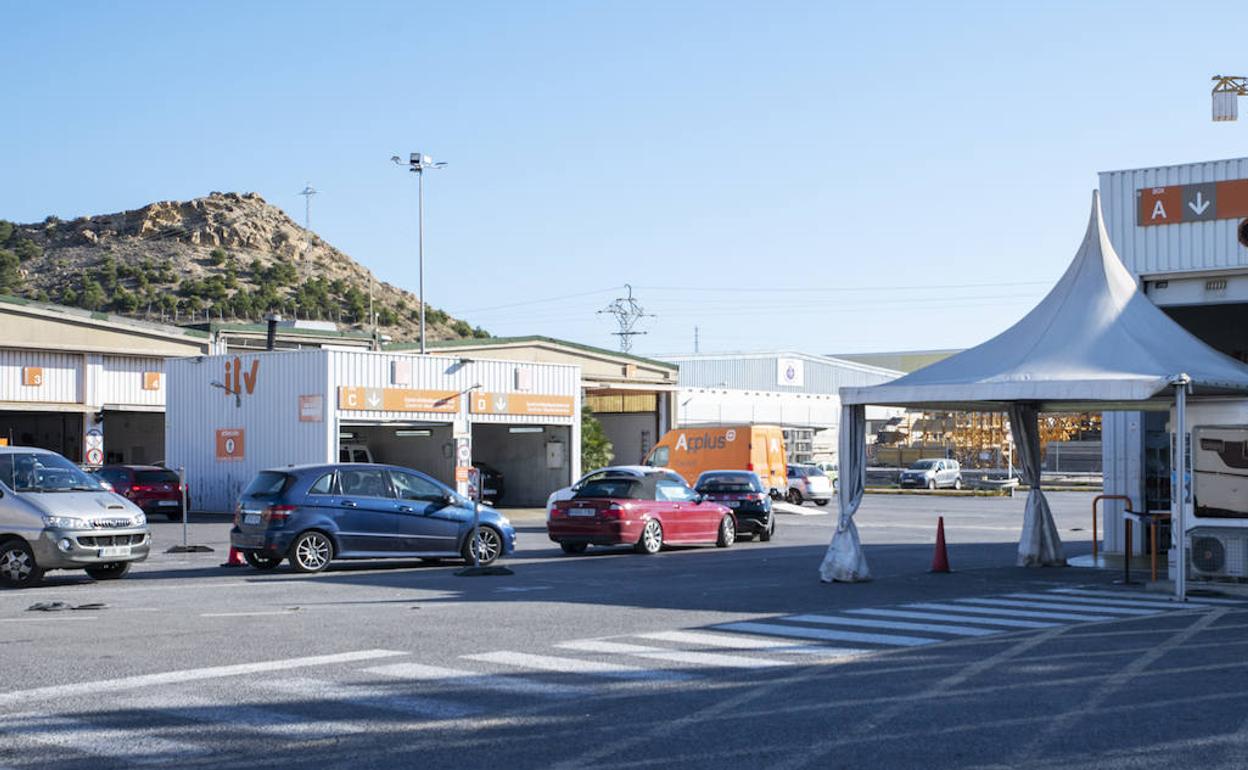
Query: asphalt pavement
point(698, 657)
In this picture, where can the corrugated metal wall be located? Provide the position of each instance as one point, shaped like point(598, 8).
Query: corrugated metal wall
point(118, 381)
point(1186, 246)
point(759, 372)
point(62, 376)
point(274, 435)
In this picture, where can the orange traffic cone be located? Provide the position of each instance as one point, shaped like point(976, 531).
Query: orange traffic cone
point(235, 559)
point(940, 558)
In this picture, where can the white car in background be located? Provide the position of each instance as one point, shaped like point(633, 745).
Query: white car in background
point(808, 482)
point(567, 493)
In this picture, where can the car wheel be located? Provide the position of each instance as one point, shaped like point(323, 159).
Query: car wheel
point(957, 483)
point(931, 483)
point(174, 515)
point(17, 565)
point(766, 535)
point(821, 502)
point(260, 561)
point(112, 571)
point(727, 532)
point(572, 548)
point(489, 545)
point(651, 540)
point(794, 497)
point(311, 552)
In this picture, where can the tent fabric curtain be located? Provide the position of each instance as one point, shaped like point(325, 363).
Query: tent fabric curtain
point(845, 561)
point(1039, 545)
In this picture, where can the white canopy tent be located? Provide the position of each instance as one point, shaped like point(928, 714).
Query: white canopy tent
point(1094, 343)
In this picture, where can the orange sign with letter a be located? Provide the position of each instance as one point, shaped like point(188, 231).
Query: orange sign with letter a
point(229, 443)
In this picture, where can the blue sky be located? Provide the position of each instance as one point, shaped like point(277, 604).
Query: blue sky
point(815, 176)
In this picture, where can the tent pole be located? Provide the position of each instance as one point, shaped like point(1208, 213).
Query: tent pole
point(1178, 536)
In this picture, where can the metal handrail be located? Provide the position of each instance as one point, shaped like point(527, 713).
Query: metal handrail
point(1096, 500)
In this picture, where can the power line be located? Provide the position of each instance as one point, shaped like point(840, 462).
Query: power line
point(887, 287)
point(461, 313)
point(627, 313)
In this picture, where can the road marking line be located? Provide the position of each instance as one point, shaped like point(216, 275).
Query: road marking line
point(188, 675)
point(127, 744)
point(1116, 594)
point(573, 665)
point(677, 656)
point(893, 625)
point(962, 619)
point(258, 719)
point(50, 617)
point(737, 642)
point(828, 635)
point(499, 683)
point(1099, 602)
point(384, 698)
point(245, 614)
point(1002, 612)
point(1059, 606)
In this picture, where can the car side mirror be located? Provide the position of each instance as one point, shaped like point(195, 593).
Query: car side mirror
point(698, 498)
point(448, 498)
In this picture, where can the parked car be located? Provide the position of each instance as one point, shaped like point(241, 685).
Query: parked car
point(807, 482)
point(314, 514)
point(354, 453)
point(757, 448)
point(491, 481)
point(646, 512)
point(933, 473)
point(743, 492)
point(567, 493)
point(152, 488)
point(55, 516)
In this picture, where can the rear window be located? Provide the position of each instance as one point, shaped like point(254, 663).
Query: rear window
point(618, 488)
point(730, 483)
point(267, 484)
point(155, 477)
point(813, 471)
point(923, 465)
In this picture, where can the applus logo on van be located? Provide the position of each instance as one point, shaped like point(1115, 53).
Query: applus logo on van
point(705, 441)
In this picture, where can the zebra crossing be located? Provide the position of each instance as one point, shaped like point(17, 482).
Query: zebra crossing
point(306, 699)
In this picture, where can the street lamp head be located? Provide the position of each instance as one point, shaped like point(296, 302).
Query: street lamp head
point(396, 160)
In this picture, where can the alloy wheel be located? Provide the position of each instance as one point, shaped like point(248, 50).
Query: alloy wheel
point(652, 537)
point(488, 546)
point(313, 552)
point(16, 565)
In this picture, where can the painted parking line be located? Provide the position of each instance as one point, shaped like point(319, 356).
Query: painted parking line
point(187, 675)
point(563, 665)
point(826, 635)
point(133, 746)
point(740, 642)
point(894, 625)
point(1006, 613)
point(471, 680)
point(1064, 607)
point(382, 698)
point(907, 614)
point(1098, 602)
point(256, 719)
point(246, 614)
point(53, 618)
point(693, 657)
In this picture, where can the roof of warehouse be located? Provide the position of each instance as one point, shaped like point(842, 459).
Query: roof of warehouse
point(815, 357)
point(1173, 165)
point(75, 313)
point(488, 342)
point(221, 326)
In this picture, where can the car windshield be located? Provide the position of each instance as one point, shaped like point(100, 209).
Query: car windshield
point(610, 488)
point(814, 471)
point(923, 465)
point(39, 472)
point(736, 482)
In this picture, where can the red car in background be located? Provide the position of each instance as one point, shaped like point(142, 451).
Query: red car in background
point(152, 488)
point(646, 512)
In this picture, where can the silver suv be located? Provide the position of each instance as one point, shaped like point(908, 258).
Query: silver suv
point(933, 473)
point(55, 516)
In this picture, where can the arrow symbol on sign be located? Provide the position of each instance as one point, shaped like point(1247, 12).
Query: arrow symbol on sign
point(1199, 205)
point(373, 400)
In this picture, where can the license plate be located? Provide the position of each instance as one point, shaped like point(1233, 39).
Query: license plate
point(582, 512)
point(734, 503)
point(489, 491)
point(114, 550)
point(251, 518)
point(167, 502)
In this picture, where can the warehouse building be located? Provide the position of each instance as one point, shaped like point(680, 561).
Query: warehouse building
point(232, 415)
point(1183, 232)
point(797, 391)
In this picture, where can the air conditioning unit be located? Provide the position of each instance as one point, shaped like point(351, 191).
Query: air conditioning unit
point(1217, 552)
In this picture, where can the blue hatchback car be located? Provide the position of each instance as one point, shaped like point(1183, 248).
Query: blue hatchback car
point(313, 514)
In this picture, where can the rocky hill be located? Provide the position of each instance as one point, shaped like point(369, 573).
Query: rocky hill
point(226, 256)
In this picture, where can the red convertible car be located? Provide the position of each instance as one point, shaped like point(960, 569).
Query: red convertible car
point(646, 512)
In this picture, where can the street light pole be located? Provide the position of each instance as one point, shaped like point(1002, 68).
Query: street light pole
point(417, 164)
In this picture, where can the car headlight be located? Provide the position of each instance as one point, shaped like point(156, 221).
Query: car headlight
point(139, 519)
point(66, 522)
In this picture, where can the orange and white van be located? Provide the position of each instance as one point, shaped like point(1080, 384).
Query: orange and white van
point(758, 448)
